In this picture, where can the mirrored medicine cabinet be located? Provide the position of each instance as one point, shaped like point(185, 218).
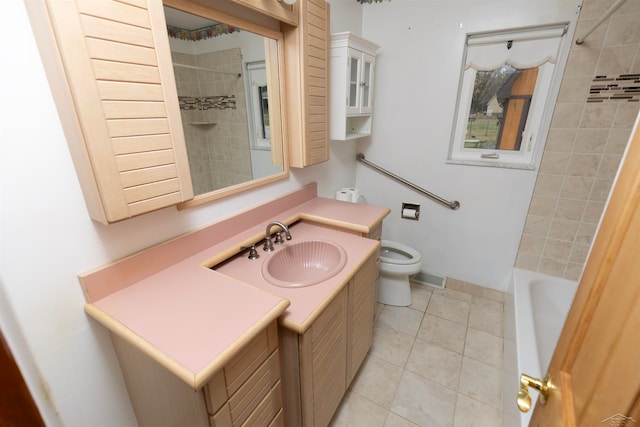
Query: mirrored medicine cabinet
point(228, 81)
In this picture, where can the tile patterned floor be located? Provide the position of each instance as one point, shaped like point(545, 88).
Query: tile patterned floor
point(435, 363)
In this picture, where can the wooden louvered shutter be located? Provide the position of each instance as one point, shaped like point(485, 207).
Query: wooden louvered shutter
point(117, 63)
point(307, 56)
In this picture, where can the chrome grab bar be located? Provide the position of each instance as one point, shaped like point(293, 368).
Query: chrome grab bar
point(450, 204)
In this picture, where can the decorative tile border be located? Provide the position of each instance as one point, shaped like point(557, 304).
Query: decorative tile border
point(370, 1)
point(222, 102)
point(623, 87)
point(201, 33)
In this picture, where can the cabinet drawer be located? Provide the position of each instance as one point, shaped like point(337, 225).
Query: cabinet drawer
point(267, 413)
point(228, 381)
point(267, 410)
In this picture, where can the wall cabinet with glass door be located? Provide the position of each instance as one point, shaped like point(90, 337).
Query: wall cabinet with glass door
point(352, 75)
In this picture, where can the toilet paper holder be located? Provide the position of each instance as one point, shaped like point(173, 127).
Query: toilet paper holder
point(410, 211)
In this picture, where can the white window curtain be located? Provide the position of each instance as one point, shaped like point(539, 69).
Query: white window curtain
point(525, 48)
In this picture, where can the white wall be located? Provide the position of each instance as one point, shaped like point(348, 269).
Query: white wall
point(416, 85)
point(47, 238)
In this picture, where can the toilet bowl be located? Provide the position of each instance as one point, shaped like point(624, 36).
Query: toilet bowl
point(397, 263)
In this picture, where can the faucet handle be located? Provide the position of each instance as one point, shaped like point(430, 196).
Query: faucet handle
point(279, 240)
point(253, 253)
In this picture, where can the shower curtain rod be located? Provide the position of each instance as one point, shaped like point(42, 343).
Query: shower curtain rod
point(454, 205)
point(604, 17)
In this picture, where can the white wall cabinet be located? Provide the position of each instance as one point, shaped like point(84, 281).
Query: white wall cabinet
point(352, 78)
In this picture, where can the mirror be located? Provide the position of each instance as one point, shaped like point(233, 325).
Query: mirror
point(229, 94)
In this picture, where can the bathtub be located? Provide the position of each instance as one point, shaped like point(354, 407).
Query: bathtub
point(536, 306)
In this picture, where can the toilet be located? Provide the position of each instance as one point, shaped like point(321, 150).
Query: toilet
point(397, 263)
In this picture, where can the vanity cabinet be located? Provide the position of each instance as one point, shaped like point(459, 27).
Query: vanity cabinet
point(352, 77)
point(247, 391)
point(329, 353)
point(307, 84)
point(110, 70)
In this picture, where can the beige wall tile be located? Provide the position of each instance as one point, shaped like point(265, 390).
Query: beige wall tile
point(609, 166)
point(573, 271)
point(542, 205)
point(570, 209)
point(591, 140)
point(528, 261)
point(626, 114)
point(601, 189)
point(552, 267)
point(574, 89)
point(623, 29)
point(537, 225)
point(583, 165)
point(557, 249)
point(579, 253)
point(531, 244)
point(560, 140)
point(598, 115)
point(617, 141)
point(548, 185)
point(576, 187)
point(567, 115)
point(616, 60)
point(554, 163)
point(582, 62)
point(586, 232)
point(563, 229)
point(593, 212)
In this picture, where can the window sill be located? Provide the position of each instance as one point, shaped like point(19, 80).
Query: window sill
point(492, 164)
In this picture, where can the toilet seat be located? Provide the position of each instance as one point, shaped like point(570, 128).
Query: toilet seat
point(396, 253)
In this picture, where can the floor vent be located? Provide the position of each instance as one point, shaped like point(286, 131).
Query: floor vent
point(430, 279)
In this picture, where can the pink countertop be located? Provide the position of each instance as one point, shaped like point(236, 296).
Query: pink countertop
point(191, 319)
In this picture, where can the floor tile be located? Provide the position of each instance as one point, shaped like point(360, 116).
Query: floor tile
point(391, 345)
point(487, 303)
point(481, 381)
point(357, 411)
point(377, 381)
point(442, 332)
point(470, 412)
point(484, 347)
point(395, 420)
point(448, 308)
point(455, 294)
point(420, 295)
point(424, 402)
point(403, 319)
point(486, 320)
point(435, 363)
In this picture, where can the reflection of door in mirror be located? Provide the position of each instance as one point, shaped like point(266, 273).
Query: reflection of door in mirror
point(209, 61)
point(499, 108)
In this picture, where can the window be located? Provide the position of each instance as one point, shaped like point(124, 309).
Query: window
point(258, 106)
point(504, 100)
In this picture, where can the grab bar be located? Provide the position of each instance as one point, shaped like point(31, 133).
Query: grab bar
point(455, 205)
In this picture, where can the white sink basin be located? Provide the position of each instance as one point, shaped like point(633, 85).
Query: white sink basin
point(304, 264)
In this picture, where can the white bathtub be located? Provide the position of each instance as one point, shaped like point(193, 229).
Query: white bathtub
point(535, 309)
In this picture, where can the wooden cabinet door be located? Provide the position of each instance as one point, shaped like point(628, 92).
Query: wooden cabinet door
point(323, 355)
point(362, 304)
point(114, 88)
point(594, 370)
point(307, 84)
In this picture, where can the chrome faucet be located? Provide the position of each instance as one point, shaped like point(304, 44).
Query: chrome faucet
point(268, 244)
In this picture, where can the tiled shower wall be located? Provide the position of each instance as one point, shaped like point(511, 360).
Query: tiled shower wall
point(598, 103)
point(214, 118)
